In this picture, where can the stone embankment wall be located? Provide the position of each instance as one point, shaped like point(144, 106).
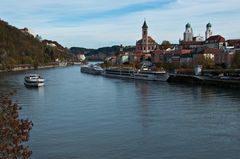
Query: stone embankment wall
point(202, 80)
point(22, 68)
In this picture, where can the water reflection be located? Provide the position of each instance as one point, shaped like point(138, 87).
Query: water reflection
point(143, 91)
point(117, 118)
point(40, 90)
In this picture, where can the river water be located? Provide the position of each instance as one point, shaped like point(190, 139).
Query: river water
point(84, 116)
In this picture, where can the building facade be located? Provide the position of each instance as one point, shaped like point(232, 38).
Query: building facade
point(216, 41)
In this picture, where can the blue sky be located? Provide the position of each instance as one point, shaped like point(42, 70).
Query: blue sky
point(98, 23)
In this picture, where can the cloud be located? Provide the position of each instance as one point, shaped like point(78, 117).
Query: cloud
point(94, 23)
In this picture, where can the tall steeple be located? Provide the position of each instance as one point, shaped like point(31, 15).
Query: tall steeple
point(208, 32)
point(145, 24)
point(145, 37)
point(144, 29)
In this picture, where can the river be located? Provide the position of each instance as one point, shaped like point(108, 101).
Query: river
point(84, 116)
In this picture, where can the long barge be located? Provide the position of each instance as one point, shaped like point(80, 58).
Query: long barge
point(136, 74)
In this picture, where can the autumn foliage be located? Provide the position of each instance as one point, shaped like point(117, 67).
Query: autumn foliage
point(18, 47)
point(13, 131)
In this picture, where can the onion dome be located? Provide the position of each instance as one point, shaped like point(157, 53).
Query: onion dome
point(188, 25)
point(209, 25)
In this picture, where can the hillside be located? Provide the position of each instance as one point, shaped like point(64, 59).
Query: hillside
point(100, 53)
point(17, 46)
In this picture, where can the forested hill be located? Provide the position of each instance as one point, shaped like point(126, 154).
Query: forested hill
point(19, 46)
point(100, 53)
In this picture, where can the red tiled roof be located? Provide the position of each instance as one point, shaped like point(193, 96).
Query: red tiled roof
point(215, 39)
point(233, 42)
point(150, 40)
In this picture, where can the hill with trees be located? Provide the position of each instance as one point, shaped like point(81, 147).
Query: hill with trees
point(100, 53)
point(18, 46)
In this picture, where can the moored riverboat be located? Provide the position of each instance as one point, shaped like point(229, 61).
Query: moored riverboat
point(91, 69)
point(118, 73)
point(151, 75)
point(136, 74)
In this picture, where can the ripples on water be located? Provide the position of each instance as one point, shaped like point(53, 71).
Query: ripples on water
point(84, 116)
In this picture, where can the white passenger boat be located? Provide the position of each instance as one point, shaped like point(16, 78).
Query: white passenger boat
point(91, 69)
point(33, 80)
point(136, 74)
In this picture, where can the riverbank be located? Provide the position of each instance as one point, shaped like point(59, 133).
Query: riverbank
point(204, 80)
point(30, 67)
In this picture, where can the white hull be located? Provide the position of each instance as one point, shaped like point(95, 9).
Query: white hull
point(161, 77)
point(34, 84)
point(138, 75)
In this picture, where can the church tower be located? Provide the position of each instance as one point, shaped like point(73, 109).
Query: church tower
point(188, 34)
point(146, 44)
point(145, 37)
point(208, 32)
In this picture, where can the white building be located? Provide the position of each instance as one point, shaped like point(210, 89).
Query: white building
point(208, 32)
point(188, 34)
point(81, 57)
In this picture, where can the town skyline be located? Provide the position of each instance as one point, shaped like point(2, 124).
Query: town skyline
point(94, 24)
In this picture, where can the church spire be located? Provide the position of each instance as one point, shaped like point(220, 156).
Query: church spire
point(144, 24)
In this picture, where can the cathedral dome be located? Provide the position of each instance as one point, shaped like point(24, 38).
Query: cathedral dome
point(209, 25)
point(188, 25)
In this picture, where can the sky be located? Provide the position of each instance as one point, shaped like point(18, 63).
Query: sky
point(99, 23)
